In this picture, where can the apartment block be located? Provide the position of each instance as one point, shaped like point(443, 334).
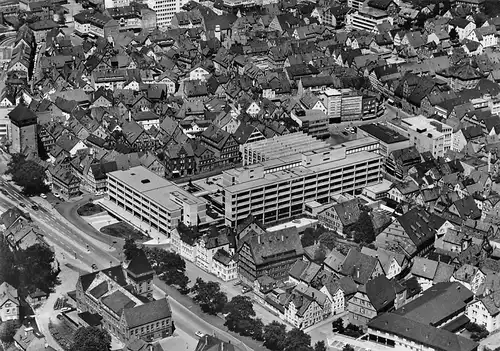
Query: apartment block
point(342, 104)
point(367, 18)
point(277, 189)
point(426, 134)
point(95, 24)
point(154, 200)
point(165, 10)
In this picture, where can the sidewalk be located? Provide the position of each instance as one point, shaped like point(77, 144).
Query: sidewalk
point(157, 238)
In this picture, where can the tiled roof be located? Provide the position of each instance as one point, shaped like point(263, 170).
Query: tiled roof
point(147, 313)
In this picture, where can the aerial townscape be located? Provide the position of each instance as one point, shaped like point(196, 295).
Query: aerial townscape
point(250, 175)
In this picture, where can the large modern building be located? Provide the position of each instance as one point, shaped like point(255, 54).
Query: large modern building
point(294, 144)
point(23, 130)
point(285, 145)
point(426, 134)
point(388, 139)
point(154, 200)
point(165, 10)
point(278, 188)
point(342, 105)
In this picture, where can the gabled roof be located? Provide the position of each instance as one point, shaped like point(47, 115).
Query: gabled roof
point(381, 292)
point(147, 313)
point(358, 266)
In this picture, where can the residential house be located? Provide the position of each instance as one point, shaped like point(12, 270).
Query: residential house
point(413, 233)
point(180, 160)
point(223, 145)
point(9, 302)
point(340, 216)
point(271, 253)
point(306, 306)
point(469, 276)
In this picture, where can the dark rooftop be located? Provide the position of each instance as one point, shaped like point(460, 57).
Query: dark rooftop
point(383, 133)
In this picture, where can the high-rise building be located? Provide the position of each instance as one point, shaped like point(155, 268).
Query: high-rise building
point(165, 10)
point(23, 130)
point(277, 189)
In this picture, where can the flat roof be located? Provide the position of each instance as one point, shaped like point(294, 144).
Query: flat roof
point(383, 133)
point(301, 171)
point(384, 185)
point(297, 223)
point(154, 187)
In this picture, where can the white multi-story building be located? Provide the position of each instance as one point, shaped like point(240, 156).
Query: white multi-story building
point(426, 134)
point(367, 18)
point(165, 10)
point(154, 200)
point(278, 188)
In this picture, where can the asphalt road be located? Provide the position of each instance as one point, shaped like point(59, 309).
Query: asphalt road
point(69, 240)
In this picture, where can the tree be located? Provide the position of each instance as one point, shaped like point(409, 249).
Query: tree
point(363, 229)
point(453, 34)
point(7, 331)
point(256, 329)
point(239, 314)
point(209, 296)
point(91, 339)
point(36, 268)
point(130, 249)
point(311, 235)
point(348, 347)
point(8, 269)
point(328, 239)
point(320, 346)
point(169, 266)
point(338, 326)
point(297, 340)
point(274, 336)
point(27, 174)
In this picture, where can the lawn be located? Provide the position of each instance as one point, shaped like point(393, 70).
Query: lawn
point(89, 209)
point(124, 231)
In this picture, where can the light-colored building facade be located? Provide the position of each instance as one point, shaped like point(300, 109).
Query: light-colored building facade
point(426, 134)
point(154, 200)
point(9, 302)
point(165, 10)
point(277, 189)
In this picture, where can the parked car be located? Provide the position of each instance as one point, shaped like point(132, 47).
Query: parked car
point(199, 334)
point(66, 309)
point(57, 195)
point(246, 289)
point(43, 196)
point(22, 204)
point(35, 207)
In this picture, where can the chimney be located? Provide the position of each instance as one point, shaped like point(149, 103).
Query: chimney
point(258, 238)
point(217, 32)
point(282, 237)
point(222, 346)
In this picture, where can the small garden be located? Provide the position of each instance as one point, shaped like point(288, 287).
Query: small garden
point(124, 231)
point(89, 209)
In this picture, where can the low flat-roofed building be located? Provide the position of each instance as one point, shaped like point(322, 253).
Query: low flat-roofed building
point(278, 188)
point(388, 139)
point(155, 200)
point(314, 123)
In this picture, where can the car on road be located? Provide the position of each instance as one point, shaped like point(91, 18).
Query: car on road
point(66, 309)
point(246, 289)
point(43, 196)
point(22, 204)
point(35, 207)
point(199, 334)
